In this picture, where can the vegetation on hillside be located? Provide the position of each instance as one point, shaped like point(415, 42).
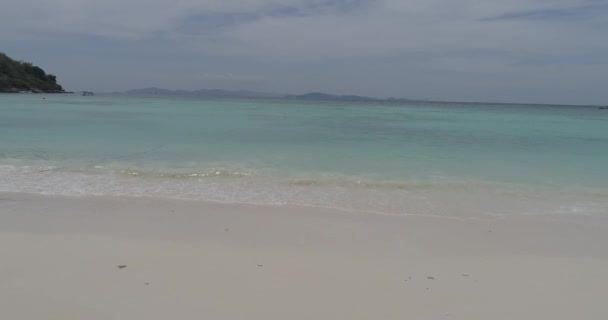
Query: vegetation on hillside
point(18, 76)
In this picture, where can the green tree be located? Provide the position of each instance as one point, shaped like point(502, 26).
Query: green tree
point(20, 75)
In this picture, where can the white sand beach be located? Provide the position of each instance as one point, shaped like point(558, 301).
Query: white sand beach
point(145, 258)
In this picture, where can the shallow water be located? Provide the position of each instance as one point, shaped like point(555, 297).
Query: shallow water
point(398, 158)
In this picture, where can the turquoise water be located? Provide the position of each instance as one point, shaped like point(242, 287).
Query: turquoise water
point(398, 158)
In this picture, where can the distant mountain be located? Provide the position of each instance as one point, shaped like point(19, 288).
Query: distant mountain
point(330, 97)
point(216, 93)
point(16, 76)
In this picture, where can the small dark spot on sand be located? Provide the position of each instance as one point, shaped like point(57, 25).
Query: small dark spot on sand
point(226, 229)
point(431, 278)
point(122, 266)
point(147, 283)
point(465, 275)
point(260, 265)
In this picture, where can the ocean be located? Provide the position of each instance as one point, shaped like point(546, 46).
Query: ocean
point(400, 158)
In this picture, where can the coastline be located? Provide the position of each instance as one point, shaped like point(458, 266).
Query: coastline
point(32, 91)
point(194, 259)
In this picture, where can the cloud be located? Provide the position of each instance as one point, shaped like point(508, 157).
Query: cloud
point(140, 18)
point(316, 29)
point(398, 27)
point(328, 42)
point(585, 11)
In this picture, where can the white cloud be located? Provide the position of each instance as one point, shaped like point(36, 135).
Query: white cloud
point(385, 27)
point(482, 37)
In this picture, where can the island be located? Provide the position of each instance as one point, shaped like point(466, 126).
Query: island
point(246, 94)
point(19, 76)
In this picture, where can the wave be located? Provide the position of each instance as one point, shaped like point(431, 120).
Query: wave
point(232, 183)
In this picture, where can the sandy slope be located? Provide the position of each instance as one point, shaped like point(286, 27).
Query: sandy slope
point(59, 259)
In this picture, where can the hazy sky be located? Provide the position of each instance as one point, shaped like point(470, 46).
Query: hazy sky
point(553, 51)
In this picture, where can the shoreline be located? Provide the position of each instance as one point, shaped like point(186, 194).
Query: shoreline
point(193, 259)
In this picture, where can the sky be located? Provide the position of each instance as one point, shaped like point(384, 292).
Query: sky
point(530, 51)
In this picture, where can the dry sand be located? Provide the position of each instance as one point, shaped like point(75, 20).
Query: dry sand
point(138, 258)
